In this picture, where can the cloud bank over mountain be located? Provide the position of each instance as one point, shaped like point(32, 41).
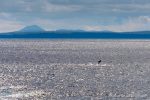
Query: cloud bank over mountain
point(118, 15)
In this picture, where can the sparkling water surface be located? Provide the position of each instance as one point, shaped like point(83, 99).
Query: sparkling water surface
point(69, 70)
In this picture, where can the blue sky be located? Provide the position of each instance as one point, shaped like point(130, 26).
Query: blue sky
point(99, 15)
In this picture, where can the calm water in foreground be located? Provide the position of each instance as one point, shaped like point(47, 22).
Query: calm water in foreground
point(68, 70)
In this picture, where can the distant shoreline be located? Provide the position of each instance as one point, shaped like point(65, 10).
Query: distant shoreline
point(75, 35)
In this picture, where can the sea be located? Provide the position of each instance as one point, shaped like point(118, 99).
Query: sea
point(68, 69)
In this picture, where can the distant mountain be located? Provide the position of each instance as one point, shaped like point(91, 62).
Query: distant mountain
point(34, 31)
point(33, 28)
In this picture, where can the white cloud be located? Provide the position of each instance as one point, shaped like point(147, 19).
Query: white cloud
point(5, 15)
point(9, 23)
point(145, 19)
point(92, 28)
point(137, 24)
point(9, 26)
point(49, 7)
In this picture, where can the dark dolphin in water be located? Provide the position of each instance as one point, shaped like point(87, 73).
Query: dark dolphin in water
point(99, 61)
